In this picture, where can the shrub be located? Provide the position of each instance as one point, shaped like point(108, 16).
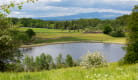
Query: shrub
point(30, 33)
point(45, 60)
point(107, 30)
point(22, 37)
point(29, 63)
point(91, 60)
point(60, 61)
point(69, 60)
point(117, 33)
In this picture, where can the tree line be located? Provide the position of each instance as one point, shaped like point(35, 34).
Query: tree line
point(43, 62)
point(89, 25)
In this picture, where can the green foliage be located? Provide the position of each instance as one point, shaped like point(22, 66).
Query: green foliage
point(118, 33)
point(30, 33)
point(45, 61)
point(23, 37)
point(8, 44)
point(93, 60)
point(132, 43)
point(69, 61)
point(75, 25)
point(60, 61)
point(7, 7)
point(28, 63)
point(107, 29)
point(112, 72)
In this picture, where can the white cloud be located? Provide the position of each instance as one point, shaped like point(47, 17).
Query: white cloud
point(49, 0)
point(51, 11)
point(42, 9)
point(118, 0)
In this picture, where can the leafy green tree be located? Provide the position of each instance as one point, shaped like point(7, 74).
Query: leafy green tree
point(69, 60)
point(45, 61)
point(29, 63)
point(132, 39)
point(60, 61)
point(107, 29)
point(30, 33)
point(8, 44)
point(22, 37)
point(37, 63)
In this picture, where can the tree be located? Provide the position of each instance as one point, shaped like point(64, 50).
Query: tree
point(107, 29)
point(9, 53)
point(29, 63)
point(45, 61)
point(69, 60)
point(117, 33)
point(132, 39)
point(30, 33)
point(8, 44)
point(11, 4)
point(37, 63)
point(59, 61)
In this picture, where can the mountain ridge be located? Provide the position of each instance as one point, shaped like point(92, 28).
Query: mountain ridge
point(103, 15)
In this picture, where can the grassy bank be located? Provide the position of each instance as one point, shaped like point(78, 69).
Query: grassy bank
point(56, 36)
point(112, 72)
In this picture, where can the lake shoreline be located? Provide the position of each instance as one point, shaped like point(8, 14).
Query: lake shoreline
point(43, 44)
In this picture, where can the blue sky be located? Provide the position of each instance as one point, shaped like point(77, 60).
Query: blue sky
point(54, 8)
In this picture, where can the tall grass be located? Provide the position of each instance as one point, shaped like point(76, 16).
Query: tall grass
point(113, 72)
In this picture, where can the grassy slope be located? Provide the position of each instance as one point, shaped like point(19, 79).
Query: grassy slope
point(51, 35)
point(113, 72)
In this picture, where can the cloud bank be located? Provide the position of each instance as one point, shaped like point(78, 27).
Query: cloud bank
point(53, 8)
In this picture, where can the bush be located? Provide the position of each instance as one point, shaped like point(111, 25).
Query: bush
point(69, 60)
point(107, 30)
point(28, 63)
point(22, 37)
point(93, 60)
point(30, 33)
point(117, 34)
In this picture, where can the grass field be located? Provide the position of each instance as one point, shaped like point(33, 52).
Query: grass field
point(112, 72)
point(54, 35)
point(44, 30)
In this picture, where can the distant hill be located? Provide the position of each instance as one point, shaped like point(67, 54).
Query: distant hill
point(102, 15)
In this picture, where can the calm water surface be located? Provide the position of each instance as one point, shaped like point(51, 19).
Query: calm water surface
point(112, 52)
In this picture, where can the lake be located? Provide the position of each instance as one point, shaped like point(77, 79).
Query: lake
point(111, 52)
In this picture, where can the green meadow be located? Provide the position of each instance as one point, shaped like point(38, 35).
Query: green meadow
point(56, 35)
point(112, 72)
